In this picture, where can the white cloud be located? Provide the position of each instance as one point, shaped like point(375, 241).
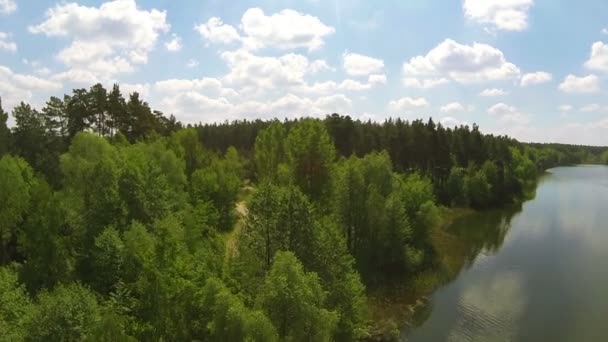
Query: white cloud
point(105, 41)
point(407, 104)
point(6, 43)
point(360, 65)
point(209, 86)
point(462, 63)
point(349, 84)
point(413, 82)
point(16, 87)
point(585, 84)
point(565, 108)
point(376, 79)
point(287, 29)
point(192, 63)
point(594, 107)
point(215, 31)
point(254, 74)
point(506, 15)
point(175, 44)
point(320, 65)
point(7, 6)
point(451, 122)
point(599, 57)
point(490, 92)
point(605, 30)
point(535, 78)
point(455, 107)
point(143, 89)
point(508, 114)
point(196, 107)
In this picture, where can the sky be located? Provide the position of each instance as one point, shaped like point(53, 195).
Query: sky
point(536, 70)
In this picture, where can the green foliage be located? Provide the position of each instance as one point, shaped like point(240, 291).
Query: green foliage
point(478, 189)
point(66, 313)
point(15, 307)
point(456, 187)
point(16, 178)
point(5, 132)
point(346, 296)
point(219, 184)
point(293, 300)
point(108, 260)
point(310, 154)
point(269, 151)
point(279, 219)
point(132, 209)
point(227, 319)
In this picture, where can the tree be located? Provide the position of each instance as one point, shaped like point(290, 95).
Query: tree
point(66, 313)
point(5, 132)
point(310, 154)
point(346, 296)
point(91, 172)
point(15, 307)
point(269, 151)
point(108, 260)
point(219, 184)
point(456, 187)
point(16, 180)
point(186, 145)
point(49, 239)
point(225, 318)
point(279, 219)
point(294, 301)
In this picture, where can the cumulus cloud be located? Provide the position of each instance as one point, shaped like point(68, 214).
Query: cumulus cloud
point(462, 63)
point(261, 72)
point(202, 108)
point(407, 104)
point(360, 65)
point(490, 92)
point(508, 114)
point(584, 84)
point(594, 107)
point(16, 87)
point(412, 82)
point(6, 43)
point(105, 40)
point(565, 108)
point(535, 78)
point(451, 122)
point(175, 44)
point(287, 29)
point(454, 107)
point(7, 6)
point(506, 15)
point(376, 79)
point(599, 57)
point(215, 31)
point(207, 85)
point(320, 65)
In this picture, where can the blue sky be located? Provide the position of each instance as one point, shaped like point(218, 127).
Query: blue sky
point(533, 69)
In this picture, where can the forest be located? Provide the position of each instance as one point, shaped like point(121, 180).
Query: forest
point(118, 223)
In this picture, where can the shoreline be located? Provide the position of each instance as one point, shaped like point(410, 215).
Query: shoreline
point(393, 308)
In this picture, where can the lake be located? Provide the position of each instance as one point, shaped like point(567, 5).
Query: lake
point(535, 273)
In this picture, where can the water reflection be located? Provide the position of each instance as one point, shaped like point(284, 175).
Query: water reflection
point(534, 273)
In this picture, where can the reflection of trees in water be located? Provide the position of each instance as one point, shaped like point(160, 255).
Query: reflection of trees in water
point(483, 232)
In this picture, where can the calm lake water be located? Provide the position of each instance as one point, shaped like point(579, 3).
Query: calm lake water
point(535, 273)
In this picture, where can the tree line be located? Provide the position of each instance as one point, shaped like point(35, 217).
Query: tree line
point(119, 224)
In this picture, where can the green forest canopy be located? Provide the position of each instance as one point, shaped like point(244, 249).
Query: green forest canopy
point(118, 224)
